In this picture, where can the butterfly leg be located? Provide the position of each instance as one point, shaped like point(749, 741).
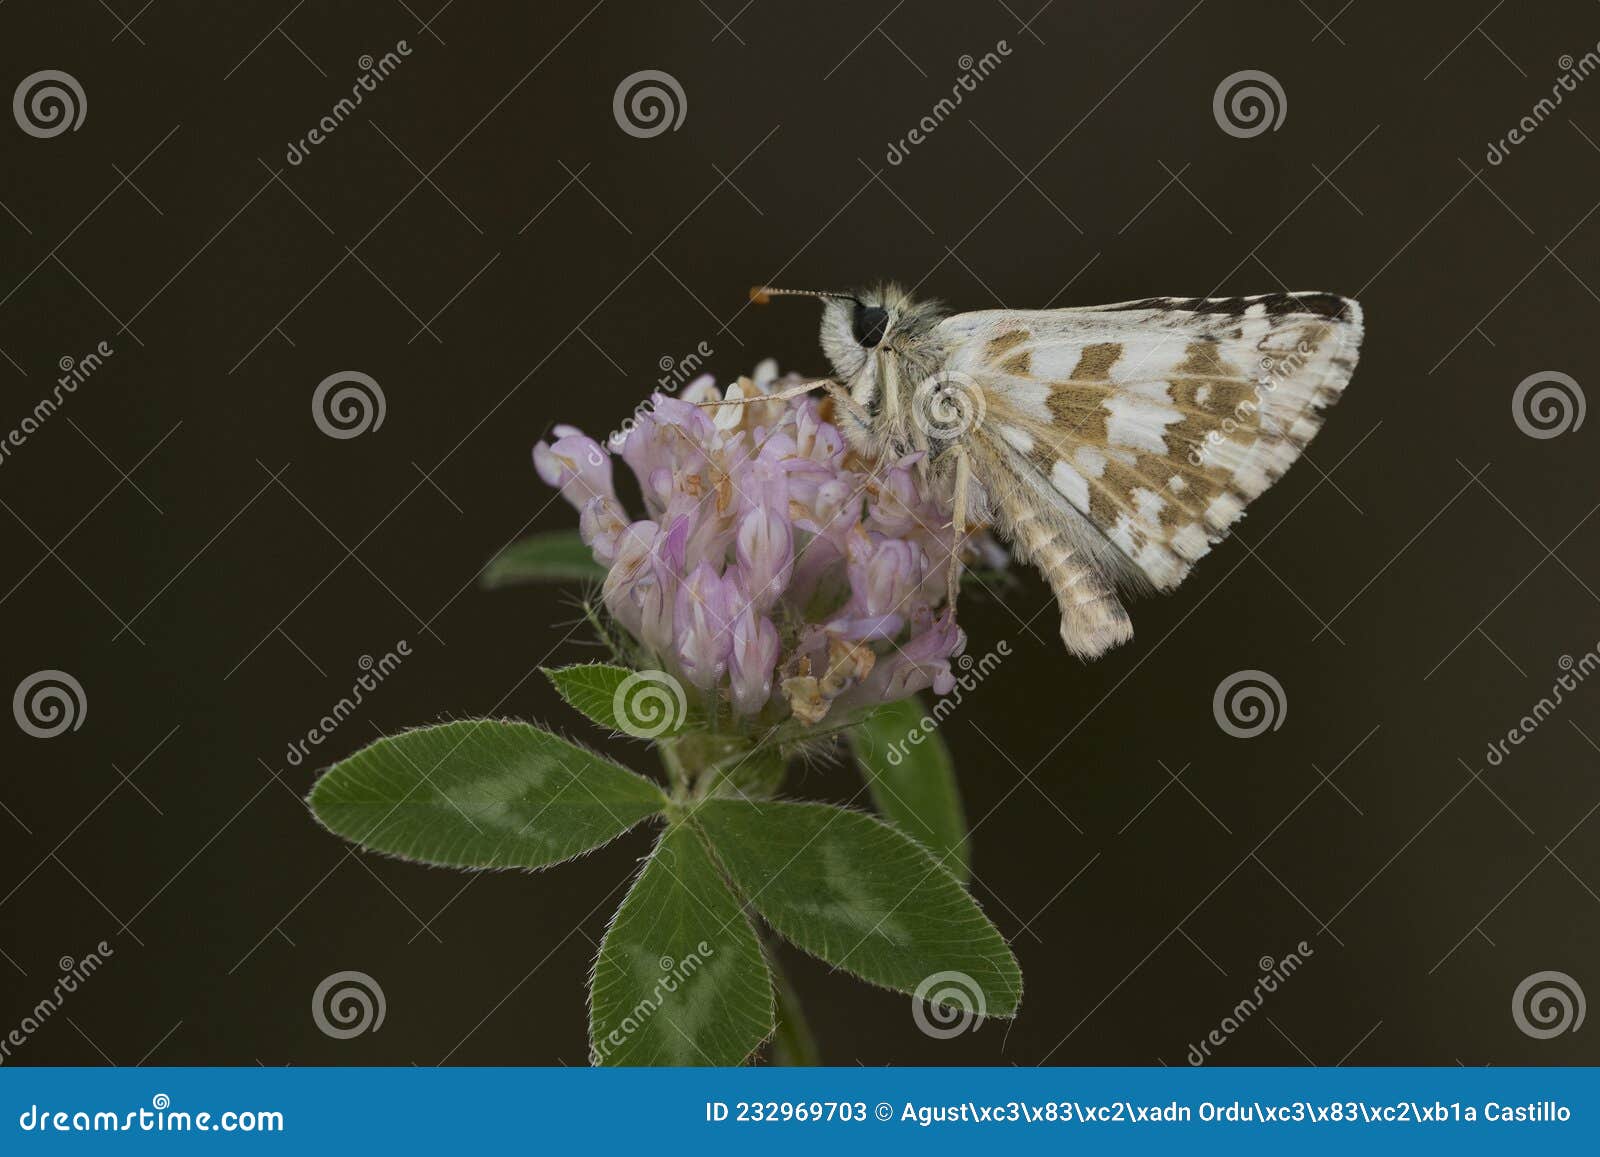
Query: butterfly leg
point(841, 398)
point(958, 523)
point(784, 394)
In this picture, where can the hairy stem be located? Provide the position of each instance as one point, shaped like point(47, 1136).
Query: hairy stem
point(793, 1043)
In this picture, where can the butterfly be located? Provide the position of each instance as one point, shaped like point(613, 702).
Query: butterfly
point(1112, 446)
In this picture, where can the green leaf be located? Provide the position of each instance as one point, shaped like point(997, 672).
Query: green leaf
point(861, 895)
point(554, 556)
point(481, 794)
point(680, 979)
point(914, 783)
point(643, 704)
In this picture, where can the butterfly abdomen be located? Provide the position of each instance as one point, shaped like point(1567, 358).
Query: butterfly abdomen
point(1092, 619)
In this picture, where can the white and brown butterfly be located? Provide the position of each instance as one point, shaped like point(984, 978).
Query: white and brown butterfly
point(1112, 445)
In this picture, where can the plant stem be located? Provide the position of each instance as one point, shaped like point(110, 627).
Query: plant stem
point(678, 774)
point(700, 764)
point(793, 1042)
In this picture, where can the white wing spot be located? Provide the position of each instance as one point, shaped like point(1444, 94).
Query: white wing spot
point(1074, 487)
point(1019, 440)
point(1139, 425)
point(1148, 503)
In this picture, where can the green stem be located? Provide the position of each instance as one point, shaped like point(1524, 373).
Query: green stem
point(793, 1043)
point(699, 765)
point(679, 775)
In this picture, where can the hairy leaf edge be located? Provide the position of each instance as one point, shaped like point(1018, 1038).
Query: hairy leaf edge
point(388, 855)
point(750, 906)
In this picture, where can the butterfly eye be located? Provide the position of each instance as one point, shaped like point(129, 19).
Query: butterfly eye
point(869, 323)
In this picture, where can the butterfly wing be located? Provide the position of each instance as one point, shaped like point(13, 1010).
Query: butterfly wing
point(1121, 442)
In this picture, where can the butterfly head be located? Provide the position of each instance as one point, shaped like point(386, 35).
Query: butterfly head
point(859, 327)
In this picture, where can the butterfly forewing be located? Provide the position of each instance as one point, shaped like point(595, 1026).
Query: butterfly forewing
point(1120, 442)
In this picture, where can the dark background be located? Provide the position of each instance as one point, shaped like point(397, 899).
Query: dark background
point(1412, 586)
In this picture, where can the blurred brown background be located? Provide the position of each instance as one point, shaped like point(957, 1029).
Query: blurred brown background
point(483, 239)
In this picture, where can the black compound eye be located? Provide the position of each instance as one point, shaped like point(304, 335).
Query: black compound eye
point(869, 323)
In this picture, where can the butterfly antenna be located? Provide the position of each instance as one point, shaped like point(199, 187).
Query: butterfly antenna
point(762, 294)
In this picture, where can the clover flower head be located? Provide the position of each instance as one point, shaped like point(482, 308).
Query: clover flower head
point(774, 570)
